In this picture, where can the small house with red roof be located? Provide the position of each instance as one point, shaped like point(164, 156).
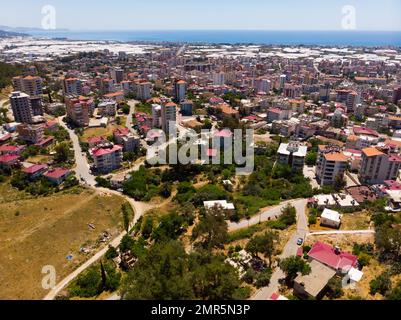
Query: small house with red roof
point(35, 171)
point(95, 141)
point(9, 149)
point(57, 175)
point(8, 161)
point(332, 257)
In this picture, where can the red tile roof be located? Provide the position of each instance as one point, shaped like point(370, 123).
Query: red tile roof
point(104, 151)
point(326, 254)
point(7, 158)
point(56, 173)
point(35, 168)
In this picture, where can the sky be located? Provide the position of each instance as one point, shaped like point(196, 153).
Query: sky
point(377, 15)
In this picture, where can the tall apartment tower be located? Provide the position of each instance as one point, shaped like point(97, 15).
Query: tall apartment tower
point(21, 107)
point(31, 85)
point(72, 86)
point(169, 114)
point(117, 75)
point(180, 90)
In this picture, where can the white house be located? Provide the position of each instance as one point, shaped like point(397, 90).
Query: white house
point(219, 203)
point(330, 218)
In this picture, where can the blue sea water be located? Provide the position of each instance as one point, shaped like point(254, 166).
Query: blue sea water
point(323, 38)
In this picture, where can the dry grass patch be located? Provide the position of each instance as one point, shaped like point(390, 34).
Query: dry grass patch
point(43, 231)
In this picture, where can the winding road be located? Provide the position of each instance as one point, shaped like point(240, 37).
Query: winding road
point(82, 170)
point(290, 249)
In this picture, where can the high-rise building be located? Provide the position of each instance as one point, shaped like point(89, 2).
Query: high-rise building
point(180, 90)
point(331, 165)
point(78, 111)
point(378, 166)
point(169, 114)
point(72, 86)
point(219, 78)
point(156, 116)
point(349, 97)
point(30, 85)
point(21, 107)
point(143, 90)
point(117, 75)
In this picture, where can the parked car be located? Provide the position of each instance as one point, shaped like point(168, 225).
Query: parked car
point(300, 241)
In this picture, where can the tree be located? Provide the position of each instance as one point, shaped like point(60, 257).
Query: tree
point(161, 274)
point(212, 230)
point(292, 265)
point(264, 244)
point(334, 288)
point(126, 212)
point(395, 294)
point(147, 227)
point(165, 190)
point(381, 284)
point(111, 253)
point(63, 152)
point(125, 108)
point(339, 183)
point(311, 158)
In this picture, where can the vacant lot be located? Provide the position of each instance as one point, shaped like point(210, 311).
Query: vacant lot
point(39, 232)
point(96, 132)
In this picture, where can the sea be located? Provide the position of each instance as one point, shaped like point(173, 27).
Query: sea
point(259, 37)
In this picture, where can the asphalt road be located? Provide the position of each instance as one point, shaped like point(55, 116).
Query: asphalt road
point(290, 249)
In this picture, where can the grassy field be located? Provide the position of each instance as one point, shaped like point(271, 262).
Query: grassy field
point(96, 132)
point(39, 232)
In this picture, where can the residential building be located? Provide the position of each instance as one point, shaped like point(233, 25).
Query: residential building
point(78, 110)
point(21, 107)
point(31, 85)
point(72, 86)
point(57, 175)
point(156, 116)
point(107, 159)
point(292, 154)
point(143, 90)
point(313, 285)
point(330, 218)
point(379, 165)
point(180, 90)
point(117, 74)
point(333, 257)
point(169, 115)
point(31, 133)
point(331, 165)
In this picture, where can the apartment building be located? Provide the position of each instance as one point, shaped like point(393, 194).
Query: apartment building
point(31, 85)
point(143, 90)
point(72, 86)
point(378, 166)
point(78, 110)
point(169, 114)
point(292, 154)
point(31, 133)
point(107, 159)
point(21, 107)
point(331, 163)
point(180, 90)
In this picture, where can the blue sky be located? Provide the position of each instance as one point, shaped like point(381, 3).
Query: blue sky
point(204, 14)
